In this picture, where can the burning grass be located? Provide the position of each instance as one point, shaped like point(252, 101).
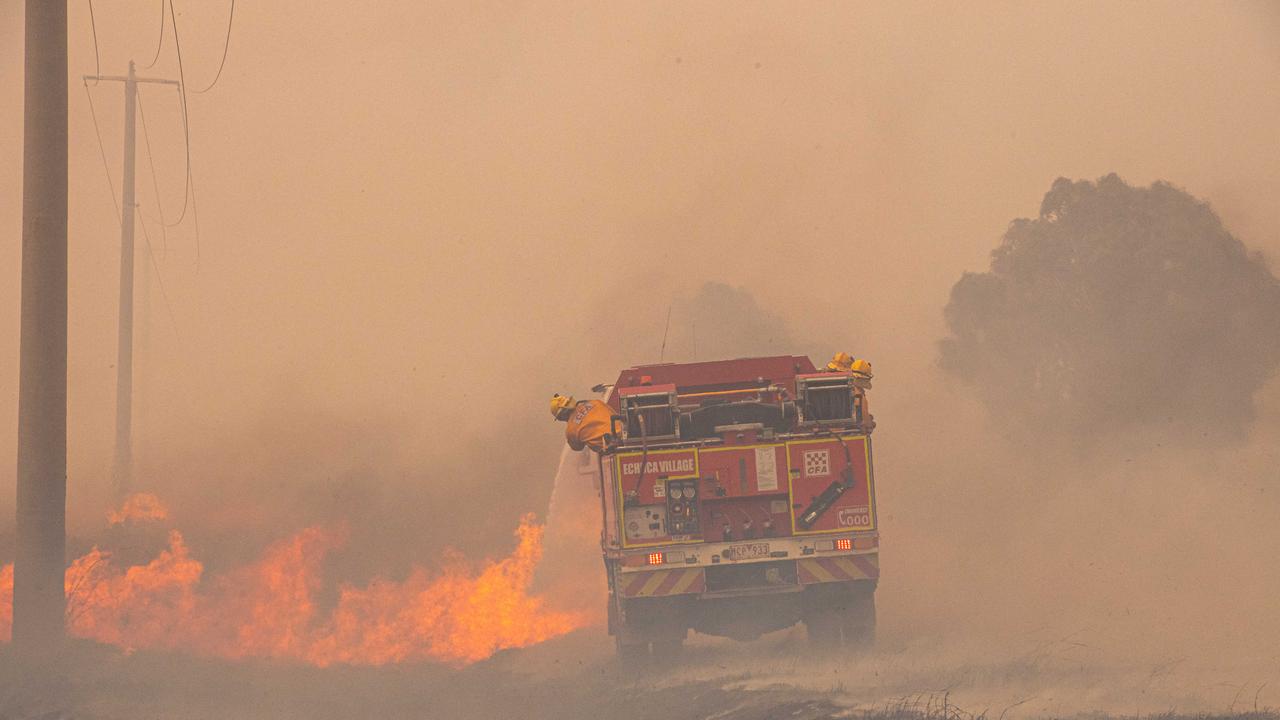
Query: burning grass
point(138, 507)
point(458, 614)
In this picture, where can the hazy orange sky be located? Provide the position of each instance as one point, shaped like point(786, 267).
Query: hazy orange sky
point(422, 214)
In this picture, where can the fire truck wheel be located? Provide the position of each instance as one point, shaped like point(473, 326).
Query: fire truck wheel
point(632, 654)
point(668, 649)
point(823, 628)
point(858, 620)
point(841, 616)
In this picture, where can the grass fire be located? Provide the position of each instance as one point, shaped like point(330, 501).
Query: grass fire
point(456, 613)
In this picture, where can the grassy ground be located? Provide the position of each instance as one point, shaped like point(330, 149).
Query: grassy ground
point(574, 679)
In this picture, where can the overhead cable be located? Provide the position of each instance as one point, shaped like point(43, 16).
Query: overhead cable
point(225, 46)
point(155, 183)
point(102, 151)
point(159, 278)
point(160, 42)
point(195, 218)
point(186, 127)
point(97, 62)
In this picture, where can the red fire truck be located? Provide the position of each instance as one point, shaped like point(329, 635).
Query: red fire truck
point(737, 499)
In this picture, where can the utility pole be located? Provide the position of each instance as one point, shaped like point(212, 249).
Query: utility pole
point(123, 468)
point(39, 601)
point(123, 474)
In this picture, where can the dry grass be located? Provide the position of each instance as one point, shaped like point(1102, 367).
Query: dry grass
point(98, 683)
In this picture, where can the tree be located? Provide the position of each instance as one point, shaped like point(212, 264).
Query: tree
point(1118, 306)
point(722, 322)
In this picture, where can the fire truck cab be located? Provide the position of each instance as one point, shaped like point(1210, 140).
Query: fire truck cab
point(737, 498)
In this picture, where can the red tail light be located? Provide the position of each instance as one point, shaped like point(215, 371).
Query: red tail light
point(655, 558)
point(844, 543)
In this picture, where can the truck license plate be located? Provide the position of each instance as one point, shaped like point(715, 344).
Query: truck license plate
point(746, 552)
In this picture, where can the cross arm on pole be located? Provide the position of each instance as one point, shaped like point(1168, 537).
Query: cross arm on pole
point(122, 78)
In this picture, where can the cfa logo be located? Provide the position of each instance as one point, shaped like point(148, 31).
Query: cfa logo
point(817, 463)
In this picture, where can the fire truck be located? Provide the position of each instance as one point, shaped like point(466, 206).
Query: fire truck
point(737, 498)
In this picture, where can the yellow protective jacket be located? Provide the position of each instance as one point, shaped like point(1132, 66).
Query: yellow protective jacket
point(588, 425)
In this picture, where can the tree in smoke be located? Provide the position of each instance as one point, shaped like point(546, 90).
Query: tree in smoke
point(1117, 306)
point(721, 321)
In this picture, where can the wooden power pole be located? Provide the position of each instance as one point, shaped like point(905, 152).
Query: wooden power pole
point(123, 469)
point(38, 594)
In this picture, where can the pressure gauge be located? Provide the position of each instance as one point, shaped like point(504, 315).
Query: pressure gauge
point(675, 492)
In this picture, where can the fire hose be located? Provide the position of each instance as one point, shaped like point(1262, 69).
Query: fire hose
point(644, 456)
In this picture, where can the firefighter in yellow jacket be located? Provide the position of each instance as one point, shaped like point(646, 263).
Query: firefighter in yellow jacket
point(589, 421)
point(844, 362)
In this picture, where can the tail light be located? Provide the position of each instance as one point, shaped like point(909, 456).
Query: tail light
point(661, 558)
point(837, 545)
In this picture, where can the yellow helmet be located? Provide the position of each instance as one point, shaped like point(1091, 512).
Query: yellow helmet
point(861, 367)
point(841, 362)
point(561, 405)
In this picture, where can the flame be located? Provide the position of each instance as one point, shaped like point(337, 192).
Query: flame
point(457, 616)
point(6, 601)
point(139, 507)
point(141, 606)
point(268, 609)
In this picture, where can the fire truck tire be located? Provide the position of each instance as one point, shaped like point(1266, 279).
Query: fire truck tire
point(823, 626)
point(631, 654)
point(667, 649)
point(858, 620)
point(841, 615)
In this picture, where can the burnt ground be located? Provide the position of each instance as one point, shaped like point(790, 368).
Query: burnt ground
point(576, 677)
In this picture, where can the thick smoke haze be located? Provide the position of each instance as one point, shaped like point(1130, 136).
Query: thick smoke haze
point(417, 221)
point(445, 195)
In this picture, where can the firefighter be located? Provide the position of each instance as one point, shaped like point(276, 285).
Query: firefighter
point(589, 421)
point(844, 362)
point(840, 362)
point(861, 367)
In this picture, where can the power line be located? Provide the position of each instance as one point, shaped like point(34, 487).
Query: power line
point(159, 278)
point(160, 42)
point(195, 218)
point(102, 151)
point(155, 184)
point(225, 46)
point(186, 128)
point(97, 64)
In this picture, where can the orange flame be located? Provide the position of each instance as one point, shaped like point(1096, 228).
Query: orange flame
point(268, 609)
point(139, 507)
point(6, 601)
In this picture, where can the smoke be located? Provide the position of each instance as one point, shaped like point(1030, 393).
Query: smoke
point(662, 319)
point(411, 239)
point(1117, 307)
point(728, 322)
